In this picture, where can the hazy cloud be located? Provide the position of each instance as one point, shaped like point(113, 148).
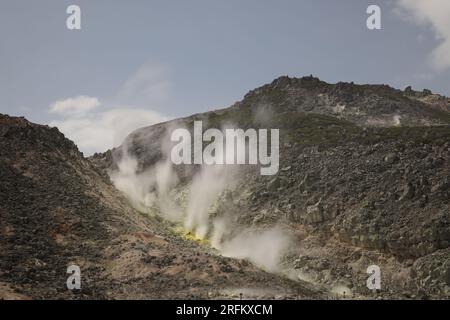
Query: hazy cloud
point(96, 127)
point(435, 13)
point(149, 85)
point(74, 106)
point(97, 131)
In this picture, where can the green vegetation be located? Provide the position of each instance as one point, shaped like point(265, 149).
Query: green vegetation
point(322, 130)
point(416, 135)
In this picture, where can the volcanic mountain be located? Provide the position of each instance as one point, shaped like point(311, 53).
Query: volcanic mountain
point(363, 180)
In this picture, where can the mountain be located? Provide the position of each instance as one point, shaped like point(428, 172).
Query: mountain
point(363, 180)
point(58, 209)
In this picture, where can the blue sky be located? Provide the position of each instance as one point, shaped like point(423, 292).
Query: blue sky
point(138, 62)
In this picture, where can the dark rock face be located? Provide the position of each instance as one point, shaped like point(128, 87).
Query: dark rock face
point(350, 194)
point(363, 178)
point(368, 200)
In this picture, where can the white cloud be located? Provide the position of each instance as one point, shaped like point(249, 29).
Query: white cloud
point(96, 127)
point(75, 106)
point(149, 85)
point(435, 13)
point(103, 130)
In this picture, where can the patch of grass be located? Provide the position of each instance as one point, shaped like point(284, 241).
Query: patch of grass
point(442, 116)
point(322, 130)
point(418, 135)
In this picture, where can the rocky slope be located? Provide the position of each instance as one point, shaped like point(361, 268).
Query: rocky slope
point(364, 179)
point(58, 209)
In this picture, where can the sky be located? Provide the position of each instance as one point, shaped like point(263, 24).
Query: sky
point(138, 62)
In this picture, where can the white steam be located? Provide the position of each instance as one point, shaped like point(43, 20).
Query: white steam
point(205, 190)
point(158, 189)
point(264, 248)
point(397, 120)
point(148, 189)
